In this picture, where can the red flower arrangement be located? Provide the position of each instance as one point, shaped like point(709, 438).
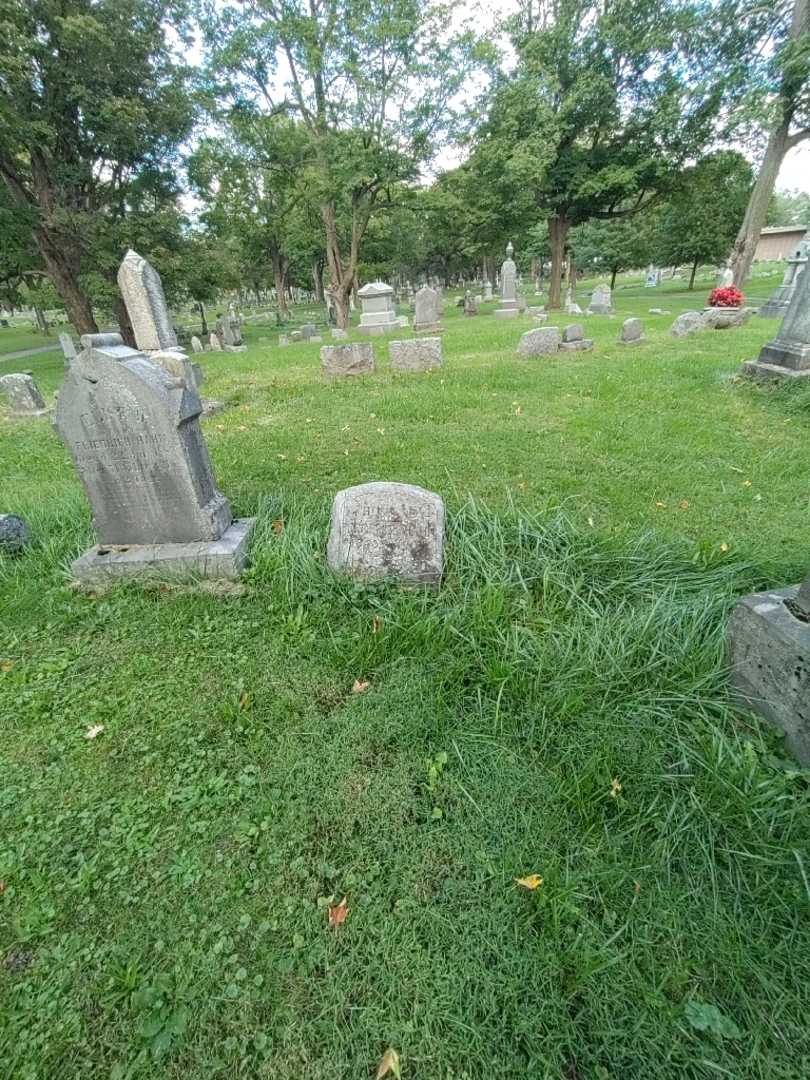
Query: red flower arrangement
point(726, 297)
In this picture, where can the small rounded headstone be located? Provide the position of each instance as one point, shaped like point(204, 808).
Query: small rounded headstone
point(545, 341)
point(632, 331)
point(14, 533)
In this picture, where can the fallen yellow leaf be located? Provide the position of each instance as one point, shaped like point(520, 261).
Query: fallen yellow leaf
point(615, 787)
point(376, 624)
point(389, 1064)
point(532, 882)
point(277, 526)
point(6, 665)
point(360, 686)
point(724, 547)
point(684, 504)
point(94, 731)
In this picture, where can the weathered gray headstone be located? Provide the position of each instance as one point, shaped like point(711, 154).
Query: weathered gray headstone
point(14, 535)
point(724, 277)
point(632, 332)
point(356, 358)
point(574, 332)
point(196, 344)
point(68, 348)
point(283, 339)
point(418, 354)
point(768, 639)
point(508, 308)
point(574, 340)
point(22, 394)
point(690, 322)
point(426, 310)
point(379, 316)
point(132, 430)
point(388, 530)
point(600, 301)
point(216, 344)
point(338, 335)
point(470, 306)
point(779, 300)
point(145, 301)
point(544, 341)
point(788, 355)
point(719, 318)
point(487, 290)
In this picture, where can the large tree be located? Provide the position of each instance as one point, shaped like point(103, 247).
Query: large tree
point(370, 81)
point(699, 221)
point(775, 81)
point(92, 102)
point(614, 245)
point(605, 105)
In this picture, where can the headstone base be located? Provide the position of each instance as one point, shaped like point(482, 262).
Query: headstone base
point(506, 313)
point(223, 558)
point(378, 329)
point(769, 650)
point(757, 370)
point(599, 309)
point(234, 348)
point(583, 345)
point(788, 354)
point(428, 328)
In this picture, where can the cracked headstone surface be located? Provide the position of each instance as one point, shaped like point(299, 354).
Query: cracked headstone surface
point(544, 341)
point(388, 530)
point(146, 305)
point(22, 395)
point(418, 354)
point(356, 358)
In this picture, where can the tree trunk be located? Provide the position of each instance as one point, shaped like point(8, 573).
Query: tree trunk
point(742, 254)
point(63, 272)
point(203, 320)
point(42, 322)
point(558, 232)
point(317, 277)
point(572, 272)
point(342, 277)
point(692, 275)
point(613, 274)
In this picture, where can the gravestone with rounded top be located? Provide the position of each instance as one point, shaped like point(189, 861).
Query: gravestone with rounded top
point(145, 302)
point(632, 332)
point(22, 394)
point(689, 322)
point(600, 301)
point(133, 432)
point(14, 535)
point(68, 348)
point(388, 530)
point(196, 344)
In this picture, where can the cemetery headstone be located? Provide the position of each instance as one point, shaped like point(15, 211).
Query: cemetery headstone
point(574, 340)
point(725, 277)
point(216, 344)
point(388, 530)
point(787, 356)
point(426, 310)
point(487, 290)
point(338, 335)
point(690, 322)
point(133, 432)
point(68, 348)
point(779, 300)
point(22, 394)
point(544, 341)
point(196, 344)
point(768, 639)
point(509, 305)
point(14, 534)
point(600, 301)
point(378, 315)
point(470, 306)
point(420, 354)
point(632, 332)
point(653, 278)
point(145, 301)
point(284, 340)
point(356, 358)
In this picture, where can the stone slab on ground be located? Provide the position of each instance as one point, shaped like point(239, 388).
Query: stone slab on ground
point(754, 369)
point(769, 650)
point(544, 341)
point(689, 322)
point(416, 354)
point(223, 558)
point(506, 313)
point(388, 531)
point(584, 345)
point(338, 361)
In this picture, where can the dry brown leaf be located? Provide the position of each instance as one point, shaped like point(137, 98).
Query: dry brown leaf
point(615, 787)
point(532, 882)
point(376, 624)
point(360, 686)
point(684, 504)
point(6, 665)
point(94, 731)
point(661, 505)
point(244, 700)
point(338, 913)
point(389, 1063)
point(277, 526)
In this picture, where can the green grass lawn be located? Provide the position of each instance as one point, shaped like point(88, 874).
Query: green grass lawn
point(167, 883)
point(15, 338)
